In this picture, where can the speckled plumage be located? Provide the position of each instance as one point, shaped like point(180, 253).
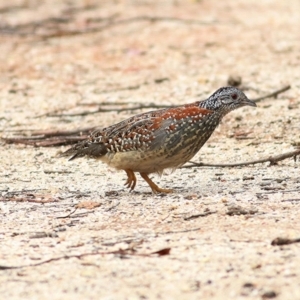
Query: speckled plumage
point(153, 141)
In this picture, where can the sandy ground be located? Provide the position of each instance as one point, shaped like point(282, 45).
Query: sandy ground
point(71, 229)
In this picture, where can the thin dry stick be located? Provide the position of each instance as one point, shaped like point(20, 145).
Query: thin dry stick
point(142, 106)
point(68, 215)
point(29, 29)
point(129, 252)
point(274, 94)
point(47, 142)
point(151, 105)
point(113, 23)
point(101, 110)
point(273, 160)
point(132, 87)
point(38, 134)
point(192, 217)
point(48, 138)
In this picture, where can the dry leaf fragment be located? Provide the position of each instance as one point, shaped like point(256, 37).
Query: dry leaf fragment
point(88, 204)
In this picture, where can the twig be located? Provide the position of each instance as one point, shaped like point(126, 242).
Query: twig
point(275, 192)
point(132, 87)
point(112, 207)
point(49, 138)
point(68, 215)
point(56, 141)
point(122, 252)
point(67, 133)
point(114, 23)
point(290, 200)
point(130, 239)
point(117, 110)
point(274, 94)
point(273, 160)
point(179, 231)
point(192, 217)
point(147, 106)
point(109, 22)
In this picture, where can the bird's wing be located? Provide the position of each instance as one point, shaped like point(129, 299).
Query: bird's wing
point(123, 126)
point(145, 131)
point(150, 130)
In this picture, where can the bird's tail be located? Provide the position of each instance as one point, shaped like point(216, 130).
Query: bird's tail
point(85, 148)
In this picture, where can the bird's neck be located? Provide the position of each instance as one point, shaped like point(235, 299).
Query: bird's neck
point(219, 112)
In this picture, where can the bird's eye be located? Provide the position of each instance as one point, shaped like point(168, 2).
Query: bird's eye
point(234, 96)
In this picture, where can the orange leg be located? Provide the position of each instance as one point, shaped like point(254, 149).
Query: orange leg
point(154, 187)
point(131, 179)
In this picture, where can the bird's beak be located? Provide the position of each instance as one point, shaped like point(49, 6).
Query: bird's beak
point(249, 102)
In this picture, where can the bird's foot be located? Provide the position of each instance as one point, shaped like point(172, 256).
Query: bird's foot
point(131, 179)
point(155, 188)
point(158, 190)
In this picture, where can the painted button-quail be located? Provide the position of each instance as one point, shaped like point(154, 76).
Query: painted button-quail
point(153, 141)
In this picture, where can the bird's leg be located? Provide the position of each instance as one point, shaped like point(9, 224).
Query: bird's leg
point(154, 187)
point(131, 179)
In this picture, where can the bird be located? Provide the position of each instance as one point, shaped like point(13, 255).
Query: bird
point(162, 139)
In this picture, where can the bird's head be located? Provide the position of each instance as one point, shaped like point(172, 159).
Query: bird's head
point(227, 99)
